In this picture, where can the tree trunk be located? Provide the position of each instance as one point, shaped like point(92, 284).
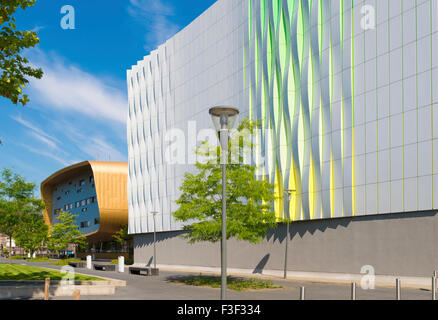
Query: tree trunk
point(10, 250)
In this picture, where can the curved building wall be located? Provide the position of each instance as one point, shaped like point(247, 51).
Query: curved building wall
point(347, 89)
point(77, 195)
point(173, 89)
point(94, 191)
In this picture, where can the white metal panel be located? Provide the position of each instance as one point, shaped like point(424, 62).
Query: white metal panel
point(384, 134)
point(409, 23)
point(425, 158)
point(382, 8)
point(396, 123)
point(396, 28)
point(425, 192)
point(424, 124)
point(384, 166)
point(410, 194)
point(410, 164)
point(384, 197)
point(410, 127)
point(383, 64)
point(382, 35)
point(360, 170)
point(424, 54)
point(424, 89)
point(383, 101)
point(397, 163)
point(371, 168)
point(397, 196)
point(410, 93)
point(371, 199)
point(371, 137)
point(396, 96)
point(435, 191)
point(360, 200)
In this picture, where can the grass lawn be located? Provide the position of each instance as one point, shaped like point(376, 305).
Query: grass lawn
point(24, 272)
point(238, 284)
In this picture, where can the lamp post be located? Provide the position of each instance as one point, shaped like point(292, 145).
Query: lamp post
point(154, 213)
point(288, 192)
point(224, 118)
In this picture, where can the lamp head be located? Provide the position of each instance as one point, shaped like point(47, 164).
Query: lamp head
point(224, 117)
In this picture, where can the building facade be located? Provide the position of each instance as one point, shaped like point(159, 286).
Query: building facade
point(4, 243)
point(347, 94)
point(93, 191)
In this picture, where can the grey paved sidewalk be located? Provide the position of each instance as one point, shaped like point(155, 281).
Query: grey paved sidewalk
point(159, 288)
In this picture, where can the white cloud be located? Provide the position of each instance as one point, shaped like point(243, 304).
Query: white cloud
point(47, 154)
point(38, 28)
point(101, 150)
point(38, 133)
point(93, 145)
point(78, 115)
point(44, 140)
point(68, 88)
point(155, 16)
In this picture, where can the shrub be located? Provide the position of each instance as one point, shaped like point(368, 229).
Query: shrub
point(233, 283)
point(128, 261)
point(19, 257)
point(64, 262)
point(40, 259)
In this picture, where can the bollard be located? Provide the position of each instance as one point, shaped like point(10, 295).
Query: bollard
point(77, 294)
point(302, 293)
point(89, 262)
point(433, 288)
point(398, 289)
point(46, 289)
point(435, 274)
point(353, 291)
point(121, 264)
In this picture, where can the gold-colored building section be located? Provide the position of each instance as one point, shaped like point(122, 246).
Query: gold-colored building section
point(110, 180)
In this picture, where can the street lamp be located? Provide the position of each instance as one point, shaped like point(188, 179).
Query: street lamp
point(154, 213)
point(287, 192)
point(224, 118)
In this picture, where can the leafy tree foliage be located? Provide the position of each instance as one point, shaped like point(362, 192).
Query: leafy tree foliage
point(249, 201)
point(64, 232)
point(122, 237)
point(14, 67)
point(17, 203)
point(31, 233)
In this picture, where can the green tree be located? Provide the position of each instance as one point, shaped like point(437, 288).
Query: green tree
point(122, 237)
point(16, 202)
point(64, 232)
point(15, 68)
point(32, 232)
point(249, 201)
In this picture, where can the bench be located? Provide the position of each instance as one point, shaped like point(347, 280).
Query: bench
point(105, 267)
point(77, 264)
point(146, 271)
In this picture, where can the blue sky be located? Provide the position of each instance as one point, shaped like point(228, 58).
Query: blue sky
point(78, 110)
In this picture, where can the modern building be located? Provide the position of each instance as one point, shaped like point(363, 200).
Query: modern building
point(349, 91)
point(93, 191)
